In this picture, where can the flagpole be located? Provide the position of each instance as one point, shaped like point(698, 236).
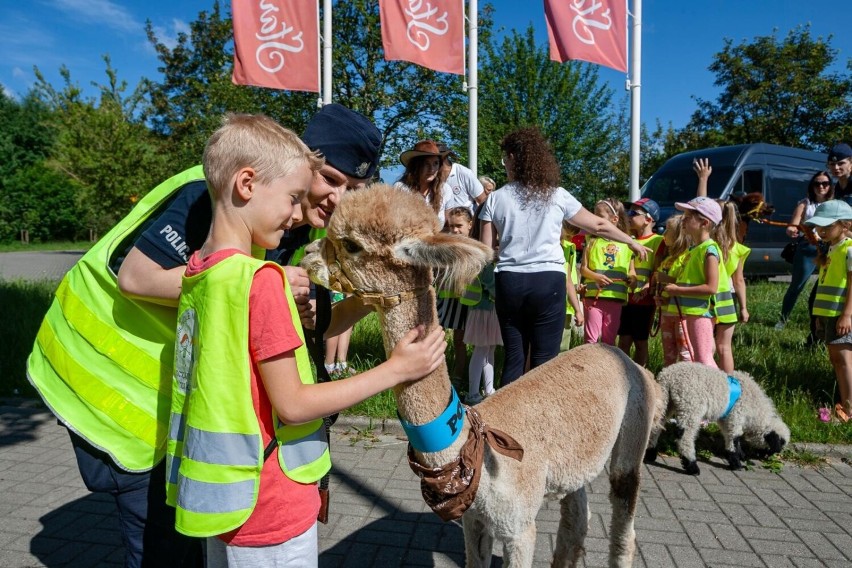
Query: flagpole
point(473, 83)
point(635, 97)
point(326, 52)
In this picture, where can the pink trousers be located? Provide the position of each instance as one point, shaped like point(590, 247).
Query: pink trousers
point(602, 319)
point(688, 340)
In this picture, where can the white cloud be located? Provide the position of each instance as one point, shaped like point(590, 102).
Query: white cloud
point(168, 35)
point(8, 92)
point(102, 13)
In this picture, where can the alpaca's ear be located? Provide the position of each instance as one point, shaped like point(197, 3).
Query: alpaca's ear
point(460, 259)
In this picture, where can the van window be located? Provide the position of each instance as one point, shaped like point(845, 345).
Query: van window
point(750, 181)
point(668, 186)
point(788, 188)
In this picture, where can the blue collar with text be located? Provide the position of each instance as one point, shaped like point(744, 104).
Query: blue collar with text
point(735, 389)
point(440, 433)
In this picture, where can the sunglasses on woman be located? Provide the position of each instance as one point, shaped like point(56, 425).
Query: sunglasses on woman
point(822, 183)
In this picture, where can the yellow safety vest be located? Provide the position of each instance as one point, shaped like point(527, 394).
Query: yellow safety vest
point(692, 274)
point(672, 266)
point(831, 287)
point(644, 268)
point(101, 361)
point(724, 308)
point(215, 448)
point(611, 259)
point(569, 250)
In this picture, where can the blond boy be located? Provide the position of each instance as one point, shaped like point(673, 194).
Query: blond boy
point(246, 441)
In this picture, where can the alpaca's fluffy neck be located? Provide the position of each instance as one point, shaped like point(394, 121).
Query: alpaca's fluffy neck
point(422, 401)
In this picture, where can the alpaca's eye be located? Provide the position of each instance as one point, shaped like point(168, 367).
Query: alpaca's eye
point(350, 246)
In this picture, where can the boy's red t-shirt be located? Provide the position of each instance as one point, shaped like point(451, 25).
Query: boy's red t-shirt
point(284, 508)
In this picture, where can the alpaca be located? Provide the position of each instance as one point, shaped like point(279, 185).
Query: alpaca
point(752, 207)
point(570, 415)
point(692, 392)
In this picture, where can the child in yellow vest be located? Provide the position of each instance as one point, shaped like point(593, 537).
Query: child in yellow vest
point(731, 285)
point(638, 315)
point(832, 307)
point(573, 308)
point(672, 330)
point(246, 439)
point(607, 272)
point(698, 281)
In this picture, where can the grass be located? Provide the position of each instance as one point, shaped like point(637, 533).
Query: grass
point(798, 378)
point(24, 305)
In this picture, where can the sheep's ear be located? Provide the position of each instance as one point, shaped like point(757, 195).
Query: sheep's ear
point(460, 259)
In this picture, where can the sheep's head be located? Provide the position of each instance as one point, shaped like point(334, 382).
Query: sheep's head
point(386, 241)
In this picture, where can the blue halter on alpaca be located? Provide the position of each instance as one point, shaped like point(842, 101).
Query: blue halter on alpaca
point(440, 433)
point(735, 389)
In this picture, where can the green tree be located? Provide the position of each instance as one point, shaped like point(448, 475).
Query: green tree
point(103, 146)
point(776, 91)
point(32, 198)
point(196, 89)
point(520, 86)
point(405, 101)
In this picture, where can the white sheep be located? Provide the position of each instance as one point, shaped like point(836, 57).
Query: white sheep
point(692, 392)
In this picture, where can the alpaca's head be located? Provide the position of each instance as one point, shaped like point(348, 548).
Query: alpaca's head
point(386, 241)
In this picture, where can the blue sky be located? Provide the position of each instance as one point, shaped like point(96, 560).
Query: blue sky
point(678, 41)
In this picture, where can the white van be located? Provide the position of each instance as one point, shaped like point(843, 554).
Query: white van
point(779, 172)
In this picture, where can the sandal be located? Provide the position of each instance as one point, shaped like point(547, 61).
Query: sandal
point(841, 414)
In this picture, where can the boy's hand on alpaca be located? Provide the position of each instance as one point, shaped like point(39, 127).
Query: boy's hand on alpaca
point(411, 360)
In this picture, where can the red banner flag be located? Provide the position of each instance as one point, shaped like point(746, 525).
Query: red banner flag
point(430, 33)
point(589, 30)
point(276, 44)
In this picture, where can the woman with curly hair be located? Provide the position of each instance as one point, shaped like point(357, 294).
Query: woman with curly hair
point(526, 217)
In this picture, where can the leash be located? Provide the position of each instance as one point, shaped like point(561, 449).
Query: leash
point(807, 232)
point(683, 330)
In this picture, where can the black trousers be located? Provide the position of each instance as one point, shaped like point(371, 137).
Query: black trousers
point(531, 310)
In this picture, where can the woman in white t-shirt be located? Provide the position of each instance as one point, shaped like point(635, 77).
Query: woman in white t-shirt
point(526, 216)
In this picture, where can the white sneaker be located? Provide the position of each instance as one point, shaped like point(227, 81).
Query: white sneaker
point(780, 325)
point(474, 398)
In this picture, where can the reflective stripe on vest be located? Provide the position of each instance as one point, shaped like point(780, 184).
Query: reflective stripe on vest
point(472, 294)
point(101, 361)
point(644, 268)
point(215, 456)
point(724, 309)
point(613, 261)
point(692, 275)
point(831, 287)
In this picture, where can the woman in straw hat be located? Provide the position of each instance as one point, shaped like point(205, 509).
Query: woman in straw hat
point(423, 174)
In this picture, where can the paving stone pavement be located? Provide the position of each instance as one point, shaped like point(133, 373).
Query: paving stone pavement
point(798, 517)
point(42, 265)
